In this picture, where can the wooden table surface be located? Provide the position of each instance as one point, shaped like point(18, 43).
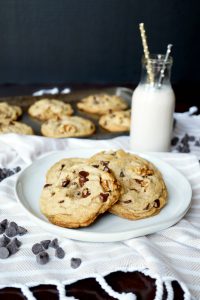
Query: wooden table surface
point(88, 289)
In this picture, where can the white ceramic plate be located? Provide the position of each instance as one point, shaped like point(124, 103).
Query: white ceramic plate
point(108, 228)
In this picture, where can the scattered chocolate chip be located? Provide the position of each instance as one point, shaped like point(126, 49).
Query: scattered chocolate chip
point(127, 201)
point(75, 262)
point(174, 141)
point(4, 223)
point(54, 244)
point(83, 177)
point(13, 224)
point(42, 258)
point(83, 173)
point(4, 253)
point(197, 143)
point(104, 197)
point(60, 253)
point(17, 169)
point(47, 184)
point(17, 242)
point(61, 201)
point(121, 174)
point(78, 193)
point(191, 138)
point(13, 246)
point(65, 183)
point(156, 203)
point(45, 244)
point(85, 193)
point(4, 240)
point(37, 248)
point(2, 229)
point(22, 230)
point(11, 231)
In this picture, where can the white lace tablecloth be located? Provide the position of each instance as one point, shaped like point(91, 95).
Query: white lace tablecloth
point(170, 254)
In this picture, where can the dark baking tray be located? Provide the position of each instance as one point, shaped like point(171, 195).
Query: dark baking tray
point(73, 97)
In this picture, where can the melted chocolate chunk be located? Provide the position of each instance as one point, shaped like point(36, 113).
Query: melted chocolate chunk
point(121, 174)
point(156, 203)
point(128, 201)
point(47, 184)
point(61, 201)
point(83, 177)
point(104, 197)
point(95, 166)
point(83, 173)
point(86, 193)
point(65, 183)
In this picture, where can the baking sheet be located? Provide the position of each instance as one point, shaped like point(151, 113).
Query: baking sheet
point(72, 98)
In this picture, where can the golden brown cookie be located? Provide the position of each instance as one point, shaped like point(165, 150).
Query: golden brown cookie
point(68, 127)
point(48, 109)
point(117, 121)
point(143, 189)
point(81, 193)
point(15, 127)
point(9, 112)
point(102, 104)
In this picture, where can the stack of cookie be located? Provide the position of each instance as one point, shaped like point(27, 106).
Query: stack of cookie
point(8, 116)
point(112, 109)
point(58, 121)
point(78, 190)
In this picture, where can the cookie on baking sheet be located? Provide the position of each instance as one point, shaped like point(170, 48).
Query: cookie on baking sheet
point(143, 189)
point(81, 193)
point(116, 121)
point(15, 127)
point(68, 127)
point(102, 104)
point(54, 173)
point(47, 109)
point(9, 112)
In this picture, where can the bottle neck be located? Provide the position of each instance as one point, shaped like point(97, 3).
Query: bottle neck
point(157, 69)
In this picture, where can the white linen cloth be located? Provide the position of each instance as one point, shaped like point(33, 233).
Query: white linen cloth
point(170, 254)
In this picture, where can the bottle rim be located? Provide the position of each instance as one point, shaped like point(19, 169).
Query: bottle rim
point(157, 59)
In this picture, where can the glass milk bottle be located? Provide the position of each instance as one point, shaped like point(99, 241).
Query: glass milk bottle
point(152, 109)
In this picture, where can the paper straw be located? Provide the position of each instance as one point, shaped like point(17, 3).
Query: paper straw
point(162, 71)
point(146, 53)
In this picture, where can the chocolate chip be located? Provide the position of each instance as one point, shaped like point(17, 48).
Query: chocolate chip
point(104, 163)
point(147, 207)
point(62, 166)
point(127, 201)
point(85, 193)
point(17, 169)
point(75, 262)
point(174, 141)
point(4, 253)
point(197, 143)
point(54, 244)
point(191, 138)
point(45, 243)
point(83, 177)
point(4, 223)
point(138, 181)
point(11, 231)
point(13, 224)
point(4, 240)
point(60, 253)
point(104, 197)
point(13, 247)
point(65, 183)
point(42, 258)
point(17, 242)
point(37, 248)
point(22, 230)
point(2, 229)
point(83, 173)
point(156, 203)
point(47, 184)
point(121, 174)
point(61, 201)
point(95, 166)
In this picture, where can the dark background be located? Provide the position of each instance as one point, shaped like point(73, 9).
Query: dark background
point(95, 41)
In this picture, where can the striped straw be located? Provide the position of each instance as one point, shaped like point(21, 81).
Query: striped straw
point(146, 53)
point(162, 71)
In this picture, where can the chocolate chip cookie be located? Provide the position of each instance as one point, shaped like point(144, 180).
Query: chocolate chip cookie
point(47, 109)
point(9, 112)
point(117, 121)
point(102, 104)
point(15, 127)
point(81, 193)
point(68, 127)
point(143, 191)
